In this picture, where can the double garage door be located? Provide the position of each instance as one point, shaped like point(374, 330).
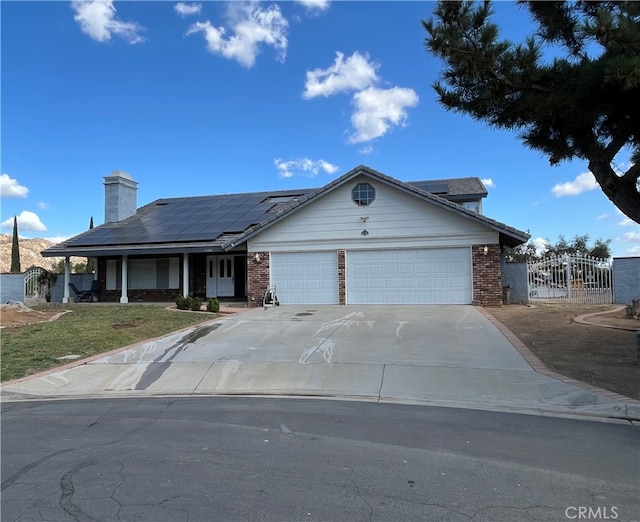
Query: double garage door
point(420, 276)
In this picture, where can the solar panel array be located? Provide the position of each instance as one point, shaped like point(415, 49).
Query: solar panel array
point(201, 218)
point(205, 218)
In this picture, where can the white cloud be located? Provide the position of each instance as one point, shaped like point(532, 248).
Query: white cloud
point(303, 167)
point(26, 221)
point(97, 18)
point(251, 27)
point(10, 188)
point(187, 9)
point(379, 109)
point(630, 237)
point(582, 183)
point(541, 245)
point(353, 74)
point(43, 206)
point(376, 110)
point(367, 149)
point(57, 239)
point(315, 5)
point(488, 182)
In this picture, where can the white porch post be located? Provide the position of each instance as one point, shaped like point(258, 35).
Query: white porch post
point(67, 271)
point(185, 275)
point(125, 266)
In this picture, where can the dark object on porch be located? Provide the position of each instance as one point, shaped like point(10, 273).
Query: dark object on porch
point(87, 296)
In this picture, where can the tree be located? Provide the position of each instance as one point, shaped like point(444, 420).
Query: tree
point(579, 245)
point(48, 279)
point(89, 265)
point(580, 106)
point(74, 268)
point(15, 249)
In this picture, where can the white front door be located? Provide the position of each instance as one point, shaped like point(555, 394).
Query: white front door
point(220, 276)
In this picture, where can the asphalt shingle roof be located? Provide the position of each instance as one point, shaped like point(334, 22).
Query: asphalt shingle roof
point(220, 220)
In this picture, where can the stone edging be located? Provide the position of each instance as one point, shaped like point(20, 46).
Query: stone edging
point(582, 319)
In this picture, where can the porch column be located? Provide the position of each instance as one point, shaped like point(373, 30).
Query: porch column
point(67, 271)
point(185, 275)
point(125, 278)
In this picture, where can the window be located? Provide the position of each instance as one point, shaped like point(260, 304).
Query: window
point(145, 274)
point(473, 205)
point(363, 194)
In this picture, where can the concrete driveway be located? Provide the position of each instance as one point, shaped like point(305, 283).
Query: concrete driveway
point(441, 355)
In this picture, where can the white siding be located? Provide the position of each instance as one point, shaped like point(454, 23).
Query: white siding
point(395, 219)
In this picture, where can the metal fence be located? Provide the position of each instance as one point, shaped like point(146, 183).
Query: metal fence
point(570, 279)
point(32, 287)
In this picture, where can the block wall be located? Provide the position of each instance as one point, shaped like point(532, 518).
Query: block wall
point(342, 285)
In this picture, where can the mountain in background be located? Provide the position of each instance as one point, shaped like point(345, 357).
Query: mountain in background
point(29, 254)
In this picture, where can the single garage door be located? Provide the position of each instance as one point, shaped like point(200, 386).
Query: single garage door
point(422, 276)
point(305, 277)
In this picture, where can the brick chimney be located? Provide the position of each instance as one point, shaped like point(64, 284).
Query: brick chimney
point(120, 196)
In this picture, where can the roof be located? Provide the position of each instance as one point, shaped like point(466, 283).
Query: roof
point(221, 222)
point(456, 189)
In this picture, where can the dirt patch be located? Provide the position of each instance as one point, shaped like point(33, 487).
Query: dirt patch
point(601, 356)
point(124, 325)
point(11, 316)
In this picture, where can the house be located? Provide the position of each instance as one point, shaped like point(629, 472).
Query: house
point(364, 238)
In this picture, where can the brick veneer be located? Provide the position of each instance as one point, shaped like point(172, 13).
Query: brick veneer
point(257, 277)
point(342, 287)
point(487, 279)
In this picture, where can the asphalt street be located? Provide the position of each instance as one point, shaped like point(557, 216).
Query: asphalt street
point(223, 459)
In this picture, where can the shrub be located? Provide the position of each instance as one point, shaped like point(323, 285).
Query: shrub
point(196, 303)
point(183, 303)
point(189, 303)
point(213, 305)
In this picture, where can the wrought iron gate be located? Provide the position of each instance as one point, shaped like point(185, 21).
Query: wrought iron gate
point(570, 279)
point(32, 288)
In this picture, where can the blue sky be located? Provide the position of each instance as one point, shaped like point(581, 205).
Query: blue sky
point(223, 97)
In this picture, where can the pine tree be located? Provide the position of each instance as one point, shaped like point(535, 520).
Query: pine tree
point(89, 269)
point(580, 105)
point(15, 249)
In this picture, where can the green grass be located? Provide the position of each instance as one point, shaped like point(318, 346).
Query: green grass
point(86, 330)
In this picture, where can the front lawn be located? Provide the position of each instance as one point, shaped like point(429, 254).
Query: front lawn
point(88, 329)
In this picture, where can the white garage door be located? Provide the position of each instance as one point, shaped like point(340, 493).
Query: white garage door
point(305, 278)
point(424, 276)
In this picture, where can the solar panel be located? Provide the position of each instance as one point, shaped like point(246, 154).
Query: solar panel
point(201, 218)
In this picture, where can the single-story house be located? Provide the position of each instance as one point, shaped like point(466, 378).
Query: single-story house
point(364, 238)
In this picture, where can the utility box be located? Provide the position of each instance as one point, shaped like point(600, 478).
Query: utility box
point(506, 295)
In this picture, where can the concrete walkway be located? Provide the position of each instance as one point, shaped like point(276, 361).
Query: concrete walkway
point(438, 355)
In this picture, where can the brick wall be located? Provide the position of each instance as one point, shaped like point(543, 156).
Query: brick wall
point(257, 277)
point(487, 277)
point(342, 287)
point(141, 296)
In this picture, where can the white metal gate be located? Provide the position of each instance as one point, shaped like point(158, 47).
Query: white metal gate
point(32, 288)
point(570, 279)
